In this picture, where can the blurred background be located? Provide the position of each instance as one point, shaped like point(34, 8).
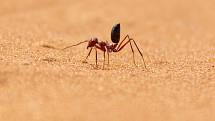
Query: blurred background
point(156, 24)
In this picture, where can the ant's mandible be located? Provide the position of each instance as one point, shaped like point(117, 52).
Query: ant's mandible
point(116, 46)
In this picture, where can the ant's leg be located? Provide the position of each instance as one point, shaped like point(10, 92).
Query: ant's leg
point(96, 56)
point(136, 47)
point(104, 60)
point(127, 36)
point(132, 52)
point(107, 53)
point(108, 58)
point(139, 52)
point(120, 48)
point(85, 61)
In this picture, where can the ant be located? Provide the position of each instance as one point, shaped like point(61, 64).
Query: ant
point(94, 43)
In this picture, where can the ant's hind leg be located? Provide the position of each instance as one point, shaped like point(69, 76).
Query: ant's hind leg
point(140, 53)
point(132, 53)
point(129, 41)
point(85, 61)
point(119, 45)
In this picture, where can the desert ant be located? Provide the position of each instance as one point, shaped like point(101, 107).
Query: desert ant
point(109, 47)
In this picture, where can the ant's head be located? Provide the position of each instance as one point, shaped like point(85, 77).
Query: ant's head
point(94, 39)
point(92, 42)
point(115, 33)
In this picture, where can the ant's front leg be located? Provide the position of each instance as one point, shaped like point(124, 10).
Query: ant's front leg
point(85, 61)
point(104, 61)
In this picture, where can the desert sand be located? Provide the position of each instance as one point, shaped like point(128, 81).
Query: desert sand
point(43, 84)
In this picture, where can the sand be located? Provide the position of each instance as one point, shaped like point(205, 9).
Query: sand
point(44, 84)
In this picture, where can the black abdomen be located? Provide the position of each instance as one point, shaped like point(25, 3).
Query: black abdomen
point(115, 33)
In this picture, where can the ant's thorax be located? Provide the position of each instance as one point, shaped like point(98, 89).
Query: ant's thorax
point(111, 47)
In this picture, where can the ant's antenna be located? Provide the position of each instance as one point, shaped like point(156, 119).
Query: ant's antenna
point(75, 45)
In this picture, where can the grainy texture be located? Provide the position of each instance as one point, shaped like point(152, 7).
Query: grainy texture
point(39, 83)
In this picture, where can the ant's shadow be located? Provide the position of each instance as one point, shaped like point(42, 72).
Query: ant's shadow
point(99, 67)
point(117, 67)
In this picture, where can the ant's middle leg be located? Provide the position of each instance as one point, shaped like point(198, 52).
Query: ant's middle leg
point(96, 56)
point(108, 57)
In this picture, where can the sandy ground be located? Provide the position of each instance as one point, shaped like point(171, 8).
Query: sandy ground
point(42, 84)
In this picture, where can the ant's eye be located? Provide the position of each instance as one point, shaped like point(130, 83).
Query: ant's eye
point(96, 40)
